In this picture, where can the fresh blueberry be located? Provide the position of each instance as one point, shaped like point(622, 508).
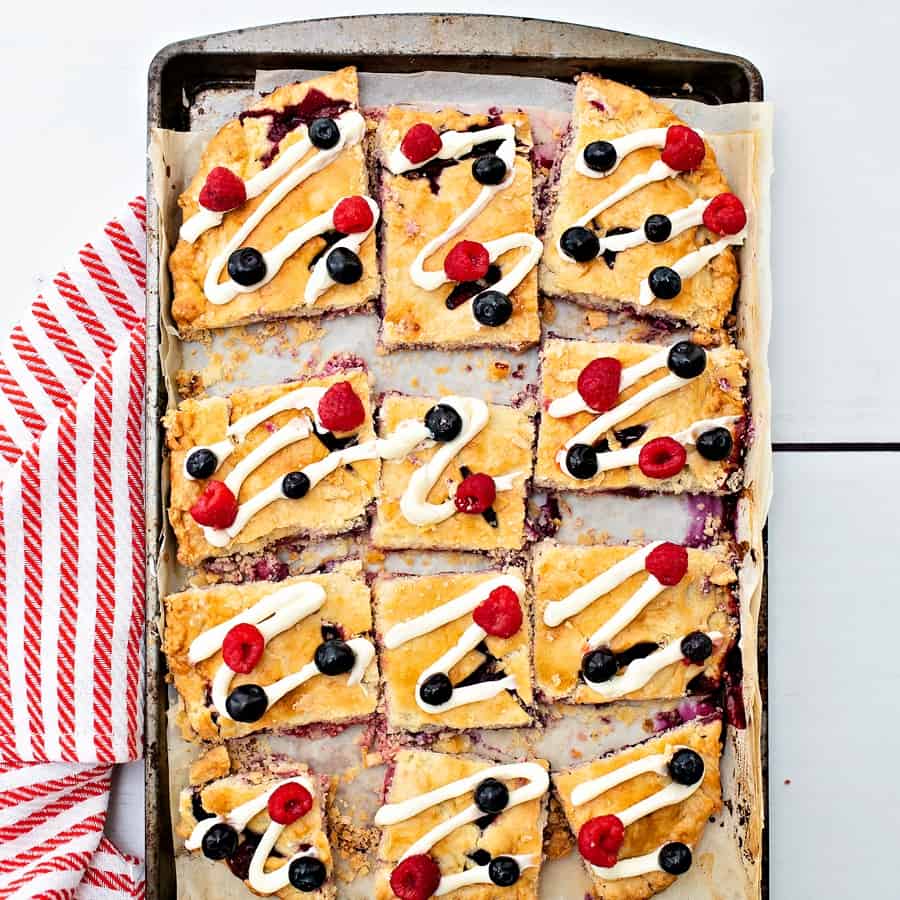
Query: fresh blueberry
point(599, 665)
point(665, 283)
point(686, 766)
point(503, 871)
point(686, 359)
point(675, 858)
point(324, 133)
point(219, 842)
point(492, 308)
point(715, 444)
point(600, 156)
point(489, 169)
point(201, 463)
point(696, 646)
point(344, 266)
point(334, 657)
point(580, 243)
point(581, 461)
point(295, 485)
point(247, 703)
point(246, 266)
point(491, 796)
point(444, 422)
point(307, 874)
point(436, 689)
point(657, 228)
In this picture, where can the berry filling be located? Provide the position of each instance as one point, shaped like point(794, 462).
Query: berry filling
point(475, 494)
point(662, 458)
point(289, 802)
point(420, 143)
point(416, 878)
point(340, 409)
point(598, 383)
point(242, 648)
point(500, 615)
point(609, 256)
point(467, 261)
point(725, 215)
point(667, 563)
point(216, 507)
point(684, 149)
point(600, 840)
point(222, 191)
point(466, 290)
point(353, 215)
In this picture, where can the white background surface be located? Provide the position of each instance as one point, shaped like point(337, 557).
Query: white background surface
point(72, 151)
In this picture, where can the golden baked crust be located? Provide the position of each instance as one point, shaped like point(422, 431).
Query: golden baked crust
point(337, 504)
point(605, 110)
point(401, 598)
point(701, 601)
point(414, 215)
point(321, 699)
point(517, 830)
point(718, 392)
point(682, 822)
point(224, 794)
point(504, 446)
point(242, 146)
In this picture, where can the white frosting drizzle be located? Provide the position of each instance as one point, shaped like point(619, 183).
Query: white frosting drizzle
point(682, 219)
point(480, 874)
point(392, 813)
point(352, 128)
point(690, 264)
point(618, 459)
point(470, 638)
point(454, 144)
point(669, 795)
point(637, 140)
point(261, 881)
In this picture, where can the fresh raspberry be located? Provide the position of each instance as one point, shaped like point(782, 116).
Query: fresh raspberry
point(353, 215)
point(600, 840)
point(475, 494)
point(667, 563)
point(242, 647)
point(223, 190)
point(598, 383)
point(500, 614)
point(216, 507)
point(416, 878)
point(662, 458)
point(725, 214)
point(340, 409)
point(467, 261)
point(420, 143)
point(289, 802)
point(684, 148)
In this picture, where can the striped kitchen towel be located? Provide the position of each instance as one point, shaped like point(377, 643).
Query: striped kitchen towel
point(72, 569)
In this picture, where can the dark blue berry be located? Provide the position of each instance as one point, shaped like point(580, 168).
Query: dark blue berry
point(246, 266)
point(436, 689)
point(480, 857)
point(444, 422)
point(686, 359)
point(324, 133)
point(580, 243)
point(492, 308)
point(307, 874)
point(247, 703)
point(489, 169)
point(581, 461)
point(219, 842)
point(696, 646)
point(503, 871)
point(657, 228)
point(334, 657)
point(675, 858)
point(239, 862)
point(665, 283)
point(686, 766)
point(491, 796)
point(295, 485)
point(715, 444)
point(600, 156)
point(599, 665)
point(201, 463)
point(344, 266)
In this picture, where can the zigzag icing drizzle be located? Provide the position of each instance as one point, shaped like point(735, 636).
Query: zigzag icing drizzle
point(669, 795)
point(275, 613)
point(470, 638)
point(392, 813)
point(239, 818)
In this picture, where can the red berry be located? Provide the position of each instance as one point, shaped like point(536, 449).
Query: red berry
point(223, 190)
point(500, 614)
point(416, 878)
point(667, 563)
point(340, 409)
point(242, 647)
point(216, 507)
point(662, 458)
point(353, 215)
point(289, 802)
point(725, 214)
point(467, 261)
point(600, 840)
point(598, 383)
point(421, 142)
point(475, 494)
point(684, 148)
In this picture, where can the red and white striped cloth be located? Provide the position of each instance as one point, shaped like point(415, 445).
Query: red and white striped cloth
point(72, 569)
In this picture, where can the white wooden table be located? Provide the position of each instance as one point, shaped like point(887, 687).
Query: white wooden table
point(73, 151)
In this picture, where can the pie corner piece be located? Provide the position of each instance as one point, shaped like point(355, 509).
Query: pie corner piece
point(663, 185)
point(460, 252)
point(258, 232)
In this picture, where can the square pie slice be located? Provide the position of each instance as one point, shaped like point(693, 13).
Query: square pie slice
point(460, 253)
point(639, 813)
point(630, 623)
point(461, 828)
point(668, 419)
point(643, 216)
point(270, 462)
point(278, 220)
point(463, 486)
point(273, 657)
point(455, 649)
point(267, 823)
